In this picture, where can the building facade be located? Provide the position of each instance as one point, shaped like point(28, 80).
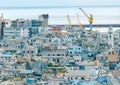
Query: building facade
point(16, 32)
point(110, 38)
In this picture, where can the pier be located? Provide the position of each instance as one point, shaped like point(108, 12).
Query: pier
point(87, 25)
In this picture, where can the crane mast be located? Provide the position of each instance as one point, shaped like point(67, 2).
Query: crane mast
point(69, 21)
point(79, 24)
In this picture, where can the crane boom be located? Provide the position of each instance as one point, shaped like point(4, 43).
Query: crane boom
point(90, 18)
point(69, 21)
point(84, 13)
point(79, 24)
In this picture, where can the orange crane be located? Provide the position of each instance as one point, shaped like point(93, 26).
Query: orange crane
point(69, 21)
point(90, 18)
point(79, 24)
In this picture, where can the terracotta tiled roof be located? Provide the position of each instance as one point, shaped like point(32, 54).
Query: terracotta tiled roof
point(113, 58)
point(55, 29)
point(117, 73)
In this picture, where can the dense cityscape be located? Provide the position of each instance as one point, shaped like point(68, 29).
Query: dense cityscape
point(34, 53)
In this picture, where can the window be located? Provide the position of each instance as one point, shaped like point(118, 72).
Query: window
point(110, 36)
point(6, 22)
point(76, 52)
point(70, 48)
point(110, 32)
point(31, 51)
point(62, 54)
point(48, 54)
point(57, 60)
point(112, 52)
point(58, 54)
point(70, 52)
point(53, 59)
point(82, 78)
point(39, 54)
point(78, 48)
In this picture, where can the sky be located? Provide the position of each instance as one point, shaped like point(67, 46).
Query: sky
point(36, 3)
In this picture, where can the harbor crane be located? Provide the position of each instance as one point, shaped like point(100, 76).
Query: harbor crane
point(90, 18)
point(79, 24)
point(70, 25)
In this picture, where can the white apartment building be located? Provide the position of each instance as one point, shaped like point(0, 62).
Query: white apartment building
point(15, 32)
point(8, 23)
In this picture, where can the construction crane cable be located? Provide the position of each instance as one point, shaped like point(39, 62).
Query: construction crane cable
point(84, 13)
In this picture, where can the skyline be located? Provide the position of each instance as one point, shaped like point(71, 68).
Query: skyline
point(58, 10)
point(53, 3)
point(58, 15)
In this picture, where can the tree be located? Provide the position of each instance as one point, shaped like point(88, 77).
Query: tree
point(50, 65)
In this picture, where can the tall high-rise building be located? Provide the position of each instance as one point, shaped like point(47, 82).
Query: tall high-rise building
point(2, 25)
point(44, 19)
